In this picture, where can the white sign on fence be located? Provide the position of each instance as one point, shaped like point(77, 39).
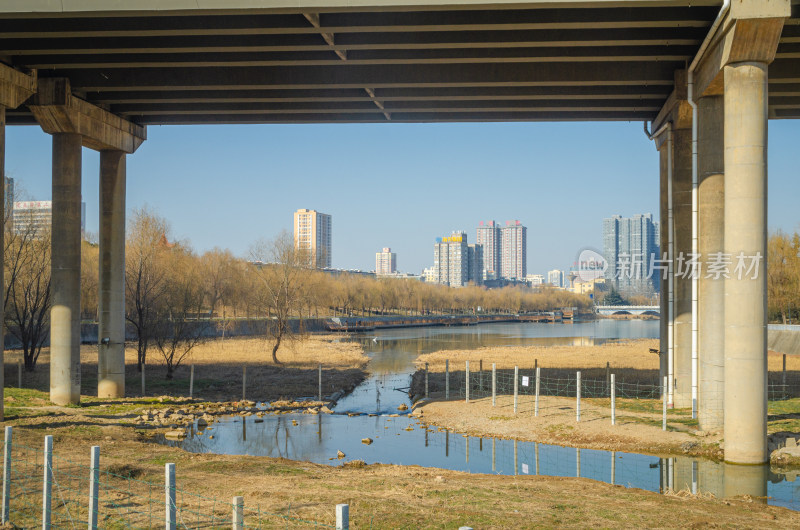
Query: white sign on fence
point(525, 380)
point(525, 468)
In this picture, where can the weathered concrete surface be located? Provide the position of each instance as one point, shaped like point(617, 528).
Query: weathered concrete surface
point(710, 290)
point(65, 357)
point(784, 340)
point(111, 303)
point(746, 233)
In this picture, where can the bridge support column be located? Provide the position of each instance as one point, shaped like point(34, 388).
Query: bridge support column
point(74, 122)
point(711, 289)
point(111, 310)
point(65, 323)
point(15, 88)
point(745, 227)
point(682, 220)
point(663, 243)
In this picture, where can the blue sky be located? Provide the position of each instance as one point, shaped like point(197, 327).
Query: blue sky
point(396, 185)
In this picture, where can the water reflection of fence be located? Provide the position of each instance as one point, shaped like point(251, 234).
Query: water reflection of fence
point(41, 486)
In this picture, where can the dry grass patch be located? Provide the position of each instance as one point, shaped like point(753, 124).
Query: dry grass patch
point(218, 369)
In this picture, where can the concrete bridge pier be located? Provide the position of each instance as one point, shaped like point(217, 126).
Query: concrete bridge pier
point(15, 88)
point(111, 310)
point(711, 290)
point(745, 207)
point(75, 123)
point(65, 276)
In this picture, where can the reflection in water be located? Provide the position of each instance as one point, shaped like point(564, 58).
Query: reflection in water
point(402, 440)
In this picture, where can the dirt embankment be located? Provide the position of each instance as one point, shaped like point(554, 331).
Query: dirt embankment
point(380, 496)
point(638, 419)
point(218, 369)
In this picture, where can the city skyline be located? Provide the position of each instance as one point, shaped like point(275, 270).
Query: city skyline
point(560, 197)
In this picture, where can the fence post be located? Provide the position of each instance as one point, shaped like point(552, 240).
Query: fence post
point(6, 473)
point(169, 491)
point(94, 486)
point(238, 513)
point(319, 382)
point(664, 399)
point(191, 381)
point(608, 375)
point(19, 371)
point(426, 379)
point(516, 387)
point(494, 384)
point(613, 401)
point(467, 376)
point(342, 517)
point(480, 377)
point(578, 398)
point(784, 373)
point(536, 403)
point(143, 378)
point(244, 382)
point(447, 378)
point(47, 488)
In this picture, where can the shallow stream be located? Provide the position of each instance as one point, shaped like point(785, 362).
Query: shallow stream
point(400, 439)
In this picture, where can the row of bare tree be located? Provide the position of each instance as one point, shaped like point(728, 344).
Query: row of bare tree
point(783, 277)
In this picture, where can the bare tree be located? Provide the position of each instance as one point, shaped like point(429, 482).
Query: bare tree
point(145, 275)
point(178, 328)
point(27, 296)
point(282, 270)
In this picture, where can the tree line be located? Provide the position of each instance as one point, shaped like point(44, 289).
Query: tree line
point(173, 294)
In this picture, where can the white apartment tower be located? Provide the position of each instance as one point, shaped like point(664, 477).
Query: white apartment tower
point(514, 255)
point(385, 262)
point(312, 233)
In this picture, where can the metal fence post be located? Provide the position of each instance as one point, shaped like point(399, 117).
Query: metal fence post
point(169, 491)
point(664, 399)
point(94, 486)
point(613, 401)
point(516, 387)
point(480, 377)
point(191, 381)
point(342, 517)
point(319, 382)
point(143, 378)
point(47, 487)
point(447, 378)
point(578, 398)
point(244, 383)
point(426, 380)
point(494, 384)
point(536, 403)
point(19, 372)
point(6, 473)
point(238, 513)
point(608, 375)
point(783, 380)
point(467, 376)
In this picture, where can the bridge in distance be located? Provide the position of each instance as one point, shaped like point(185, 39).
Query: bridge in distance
point(707, 75)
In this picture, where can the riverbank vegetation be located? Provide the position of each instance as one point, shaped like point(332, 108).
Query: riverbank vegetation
point(380, 496)
point(218, 370)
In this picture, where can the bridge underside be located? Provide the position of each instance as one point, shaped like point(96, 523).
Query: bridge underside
point(413, 62)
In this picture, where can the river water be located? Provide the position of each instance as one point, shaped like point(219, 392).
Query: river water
point(400, 439)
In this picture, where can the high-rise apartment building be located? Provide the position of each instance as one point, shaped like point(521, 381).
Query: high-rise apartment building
point(555, 278)
point(629, 245)
point(385, 262)
point(505, 248)
point(36, 217)
point(9, 195)
point(455, 262)
point(488, 236)
point(312, 233)
point(514, 251)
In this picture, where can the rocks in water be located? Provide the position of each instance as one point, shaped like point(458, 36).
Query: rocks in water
point(366, 441)
point(326, 410)
point(340, 454)
point(177, 434)
point(294, 422)
point(403, 406)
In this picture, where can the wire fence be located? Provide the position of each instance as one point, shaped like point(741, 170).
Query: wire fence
point(41, 488)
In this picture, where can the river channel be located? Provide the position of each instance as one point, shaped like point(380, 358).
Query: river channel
point(370, 411)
